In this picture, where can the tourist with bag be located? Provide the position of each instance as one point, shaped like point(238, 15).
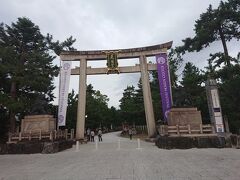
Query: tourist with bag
point(99, 135)
point(130, 132)
point(92, 135)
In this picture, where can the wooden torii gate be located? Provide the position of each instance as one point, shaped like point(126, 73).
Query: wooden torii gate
point(142, 53)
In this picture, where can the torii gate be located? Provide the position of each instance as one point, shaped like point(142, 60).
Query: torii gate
point(142, 53)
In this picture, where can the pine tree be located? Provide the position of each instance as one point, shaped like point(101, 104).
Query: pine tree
point(26, 68)
point(222, 23)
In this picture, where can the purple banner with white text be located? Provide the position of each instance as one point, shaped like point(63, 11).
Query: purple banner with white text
point(164, 83)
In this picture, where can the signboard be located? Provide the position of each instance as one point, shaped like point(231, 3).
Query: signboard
point(164, 83)
point(112, 62)
point(217, 111)
point(215, 98)
point(65, 73)
point(220, 128)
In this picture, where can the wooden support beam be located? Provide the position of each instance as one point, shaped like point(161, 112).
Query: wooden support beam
point(122, 53)
point(124, 69)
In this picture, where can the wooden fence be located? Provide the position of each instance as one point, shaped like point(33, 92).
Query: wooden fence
point(51, 135)
point(187, 130)
point(141, 129)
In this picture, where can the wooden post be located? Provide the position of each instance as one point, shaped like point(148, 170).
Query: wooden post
point(72, 133)
point(213, 129)
point(20, 136)
point(40, 135)
point(66, 134)
point(201, 128)
point(30, 136)
point(51, 136)
point(226, 124)
point(55, 134)
point(177, 129)
point(9, 137)
point(189, 129)
point(238, 142)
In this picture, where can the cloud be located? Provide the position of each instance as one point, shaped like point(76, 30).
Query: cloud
point(108, 24)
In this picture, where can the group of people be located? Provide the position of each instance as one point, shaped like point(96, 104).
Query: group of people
point(91, 134)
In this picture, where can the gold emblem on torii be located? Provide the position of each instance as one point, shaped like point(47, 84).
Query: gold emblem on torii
point(112, 63)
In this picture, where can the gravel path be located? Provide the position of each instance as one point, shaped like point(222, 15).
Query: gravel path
point(127, 163)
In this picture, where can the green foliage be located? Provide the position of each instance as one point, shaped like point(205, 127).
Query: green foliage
point(222, 23)
point(131, 105)
point(3, 123)
point(71, 117)
point(58, 46)
point(230, 96)
point(97, 112)
point(192, 93)
point(26, 66)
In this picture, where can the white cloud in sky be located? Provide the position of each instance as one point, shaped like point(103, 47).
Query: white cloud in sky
point(109, 24)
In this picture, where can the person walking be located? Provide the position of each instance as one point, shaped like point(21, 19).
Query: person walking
point(130, 132)
point(92, 135)
point(99, 135)
point(88, 134)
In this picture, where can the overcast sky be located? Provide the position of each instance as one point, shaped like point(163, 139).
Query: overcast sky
point(112, 24)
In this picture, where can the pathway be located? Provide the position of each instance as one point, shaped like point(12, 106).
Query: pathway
point(128, 163)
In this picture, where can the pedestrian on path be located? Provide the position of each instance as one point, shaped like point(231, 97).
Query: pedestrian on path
point(88, 134)
point(92, 135)
point(99, 135)
point(130, 132)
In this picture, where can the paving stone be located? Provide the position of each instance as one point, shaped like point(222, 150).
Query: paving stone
point(128, 163)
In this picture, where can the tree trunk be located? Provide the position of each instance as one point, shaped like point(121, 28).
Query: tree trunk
point(12, 114)
point(224, 46)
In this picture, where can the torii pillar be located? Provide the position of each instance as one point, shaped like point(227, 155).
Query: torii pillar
point(80, 127)
point(147, 97)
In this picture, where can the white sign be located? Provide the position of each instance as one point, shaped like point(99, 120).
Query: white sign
point(65, 73)
point(215, 98)
point(220, 128)
point(219, 120)
point(217, 111)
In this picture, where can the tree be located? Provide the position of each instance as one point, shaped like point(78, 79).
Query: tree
point(229, 95)
point(192, 92)
point(26, 67)
point(58, 46)
point(96, 109)
point(222, 24)
point(128, 105)
point(71, 116)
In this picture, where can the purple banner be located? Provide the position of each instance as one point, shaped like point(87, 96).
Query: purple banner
point(164, 83)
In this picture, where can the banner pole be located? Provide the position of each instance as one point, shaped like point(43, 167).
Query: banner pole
point(169, 76)
point(59, 87)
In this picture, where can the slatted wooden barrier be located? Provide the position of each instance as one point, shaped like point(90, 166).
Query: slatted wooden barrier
point(51, 135)
point(187, 130)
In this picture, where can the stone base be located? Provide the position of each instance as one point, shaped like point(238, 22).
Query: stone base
point(184, 116)
point(31, 147)
point(36, 123)
point(166, 142)
point(235, 141)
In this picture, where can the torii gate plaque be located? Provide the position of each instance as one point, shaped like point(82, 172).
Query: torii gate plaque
point(142, 53)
